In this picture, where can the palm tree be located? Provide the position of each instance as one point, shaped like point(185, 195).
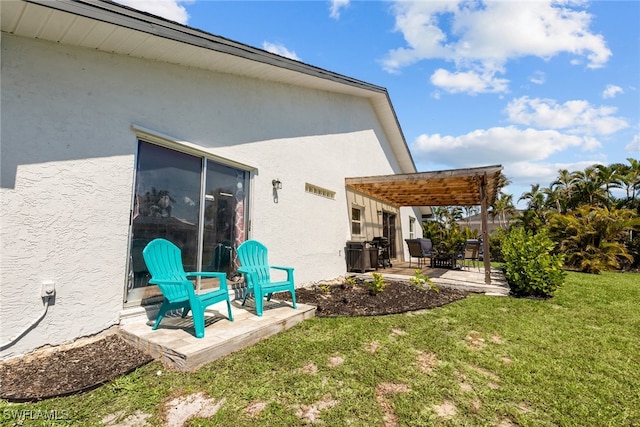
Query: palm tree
point(501, 208)
point(629, 178)
point(536, 201)
point(470, 211)
point(564, 184)
point(589, 187)
point(609, 178)
point(438, 214)
point(503, 181)
point(553, 198)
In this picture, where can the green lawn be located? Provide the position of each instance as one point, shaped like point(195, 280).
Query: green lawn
point(573, 360)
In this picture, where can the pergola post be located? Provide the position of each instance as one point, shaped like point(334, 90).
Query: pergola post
point(485, 233)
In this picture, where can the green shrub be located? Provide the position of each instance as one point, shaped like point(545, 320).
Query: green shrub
point(421, 281)
point(495, 246)
point(530, 268)
point(378, 284)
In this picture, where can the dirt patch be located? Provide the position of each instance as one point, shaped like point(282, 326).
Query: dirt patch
point(427, 362)
point(335, 361)
point(311, 413)
point(138, 419)
point(475, 341)
point(309, 368)
point(183, 408)
point(255, 408)
point(372, 347)
point(446, 409)
point(382, 392)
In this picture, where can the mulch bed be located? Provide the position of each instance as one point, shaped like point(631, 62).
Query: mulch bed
point(85, 367)
point(77, 369)
point(358, 300)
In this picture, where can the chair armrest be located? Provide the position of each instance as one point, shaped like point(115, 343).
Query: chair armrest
point(168, 282)
point(208, 274)
point(216, 274)
point(289, 271)
point(250, 274)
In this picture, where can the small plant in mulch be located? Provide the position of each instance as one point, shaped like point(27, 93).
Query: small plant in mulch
point(350, 281)
point(421, 281)
point(377, 285)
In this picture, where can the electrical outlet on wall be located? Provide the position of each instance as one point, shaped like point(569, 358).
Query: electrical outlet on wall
point(48, 289)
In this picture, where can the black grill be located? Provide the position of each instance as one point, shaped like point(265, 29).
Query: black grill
point(382, 244)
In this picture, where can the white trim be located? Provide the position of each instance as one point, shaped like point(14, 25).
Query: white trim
point(187, 147)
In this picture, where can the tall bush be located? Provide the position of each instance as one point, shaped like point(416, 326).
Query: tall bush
point(594, 237)
point(530, 267)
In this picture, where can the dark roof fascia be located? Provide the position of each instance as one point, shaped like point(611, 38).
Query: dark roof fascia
point(123, 16)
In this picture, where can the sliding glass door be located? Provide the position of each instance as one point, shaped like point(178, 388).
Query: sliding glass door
point(192, 201)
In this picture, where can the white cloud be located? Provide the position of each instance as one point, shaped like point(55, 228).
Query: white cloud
point(279, 49)
point(498, 145)
point(469, 82)
point(611, 91)
point(634, 145)
point(168, 9)
point(538, 78)
point(337, 6)
point(486, 35)
point(575, 116)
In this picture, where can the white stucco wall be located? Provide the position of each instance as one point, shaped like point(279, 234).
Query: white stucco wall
point(68, 165)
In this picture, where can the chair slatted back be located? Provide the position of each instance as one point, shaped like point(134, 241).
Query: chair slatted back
point(254, 255)
point(471, 250)
point(164, 261)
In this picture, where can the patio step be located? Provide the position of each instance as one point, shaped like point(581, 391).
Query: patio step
point(175, 345)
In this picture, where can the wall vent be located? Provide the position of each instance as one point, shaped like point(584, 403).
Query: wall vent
point(319, 191)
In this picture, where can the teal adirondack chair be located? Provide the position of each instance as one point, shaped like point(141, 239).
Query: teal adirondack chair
point(256, 270)
point(164, 261)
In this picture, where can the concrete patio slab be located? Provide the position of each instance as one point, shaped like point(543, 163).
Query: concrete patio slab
point(174, 342)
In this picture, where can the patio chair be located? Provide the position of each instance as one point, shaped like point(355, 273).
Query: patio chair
point(421, 249)
point(256, 270)
point(164, 261)
point(470, 252)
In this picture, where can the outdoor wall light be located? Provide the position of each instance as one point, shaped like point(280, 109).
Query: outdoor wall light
point(379, 213)
point(277, 185)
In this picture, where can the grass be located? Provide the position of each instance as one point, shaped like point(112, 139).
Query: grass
point(573, 360)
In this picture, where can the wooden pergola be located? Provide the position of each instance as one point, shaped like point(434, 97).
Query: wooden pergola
point(456, 187)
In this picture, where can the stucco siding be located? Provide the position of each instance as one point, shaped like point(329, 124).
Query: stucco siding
point(68, 159)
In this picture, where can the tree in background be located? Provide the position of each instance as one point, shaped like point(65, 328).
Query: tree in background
point(593, 237)
point(503, 209)
point(597, 230)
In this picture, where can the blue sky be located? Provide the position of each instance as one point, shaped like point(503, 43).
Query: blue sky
point(535, 86)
